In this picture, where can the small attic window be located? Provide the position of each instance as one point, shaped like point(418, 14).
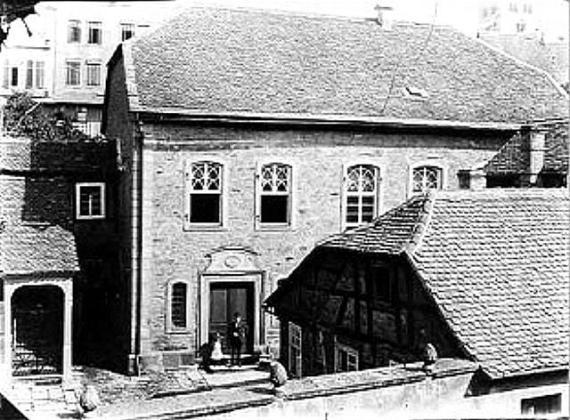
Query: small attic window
point(416, 93)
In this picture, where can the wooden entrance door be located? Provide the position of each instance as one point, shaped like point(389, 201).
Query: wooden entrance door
point(227, 298)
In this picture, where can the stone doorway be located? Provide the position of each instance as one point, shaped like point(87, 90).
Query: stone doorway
point(231, 283)
point(37, 330)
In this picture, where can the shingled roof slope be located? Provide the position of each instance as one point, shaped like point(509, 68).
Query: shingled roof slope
point(216, 61)
point(389, 233)
point(37, 249)
point(514, 156)
point(496, 263)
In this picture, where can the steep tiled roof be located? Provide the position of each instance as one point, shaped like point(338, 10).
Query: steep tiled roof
point(389, 233)
point(514, 156)
point(496, 263)
point(220, 61)
point(37, 249)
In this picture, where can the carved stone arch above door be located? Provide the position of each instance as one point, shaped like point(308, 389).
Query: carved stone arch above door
point(231, 259)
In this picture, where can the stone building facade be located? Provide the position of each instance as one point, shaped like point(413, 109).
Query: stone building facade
point(226, 186)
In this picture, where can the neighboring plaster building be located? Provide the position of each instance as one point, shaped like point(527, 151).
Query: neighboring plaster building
point(63, 63)
point(246, 136)
point(550, 56)
point(481, 275)
point(58, 261)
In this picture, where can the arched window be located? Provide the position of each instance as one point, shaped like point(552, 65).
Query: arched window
point(426, 178)
point(274, 202)
point(205, 198)
point(178, 305)
point(361, 194)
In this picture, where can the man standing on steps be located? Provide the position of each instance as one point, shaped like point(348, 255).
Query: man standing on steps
point(236, 334)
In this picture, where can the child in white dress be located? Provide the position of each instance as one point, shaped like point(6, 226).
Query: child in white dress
point(217, 354)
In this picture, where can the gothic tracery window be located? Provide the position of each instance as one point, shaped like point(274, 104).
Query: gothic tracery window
point(361, 192)
point(426, 178)
point(205, 193)
point(275, 194)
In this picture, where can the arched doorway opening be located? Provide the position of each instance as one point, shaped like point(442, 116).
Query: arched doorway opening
point(37, 330)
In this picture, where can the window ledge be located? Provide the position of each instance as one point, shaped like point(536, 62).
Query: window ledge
point(205, 228)
point(86, 218)
point(177, 331)
point(273, 228)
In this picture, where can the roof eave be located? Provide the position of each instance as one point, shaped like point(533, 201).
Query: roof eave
point(199, 116)
point(505, 376)
point(40, 273)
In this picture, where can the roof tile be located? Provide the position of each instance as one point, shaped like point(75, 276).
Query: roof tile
point(212, 60)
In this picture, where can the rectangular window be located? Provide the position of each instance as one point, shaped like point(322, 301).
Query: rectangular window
point(547, 404)
point(178, 305)
point(95, 35)
point(90, 200)
point(6, 78)
point(127, 31)
point(295, 350)
point(274, 198)
point(361, 195)
point(74, 31)
point(93, 74)
point(29, 74)
point(205, 198)
point(464, 179)
point(40, 74)
point(346, 358)
point(14, 76)
point(72, 73)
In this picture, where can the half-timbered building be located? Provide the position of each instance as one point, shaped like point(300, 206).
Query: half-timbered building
point(480, 275)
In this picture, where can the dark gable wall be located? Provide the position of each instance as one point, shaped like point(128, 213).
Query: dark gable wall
point(374, 304)
point(119, 125)
point(41, 179)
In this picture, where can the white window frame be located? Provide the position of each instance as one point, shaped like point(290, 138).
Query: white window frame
point(170, 327)
point(29, 79)
point(431, 163)
point(126, 27)
point(345, 193)
point(189, 190)
point(39, 76)
point(68, 69)
point(295, 330)
point(259, 193)
point(94, 25)
point(72, 24)
point(89, 66)
point(351, 352)
point(78, 187)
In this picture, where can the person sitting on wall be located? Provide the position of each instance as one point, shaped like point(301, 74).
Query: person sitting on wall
point(236, 334)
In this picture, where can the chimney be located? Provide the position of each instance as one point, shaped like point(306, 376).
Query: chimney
point(537, 148)
point(385, 11)
point(478, 179)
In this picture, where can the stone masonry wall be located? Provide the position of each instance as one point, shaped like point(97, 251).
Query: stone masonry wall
point(317, 158)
